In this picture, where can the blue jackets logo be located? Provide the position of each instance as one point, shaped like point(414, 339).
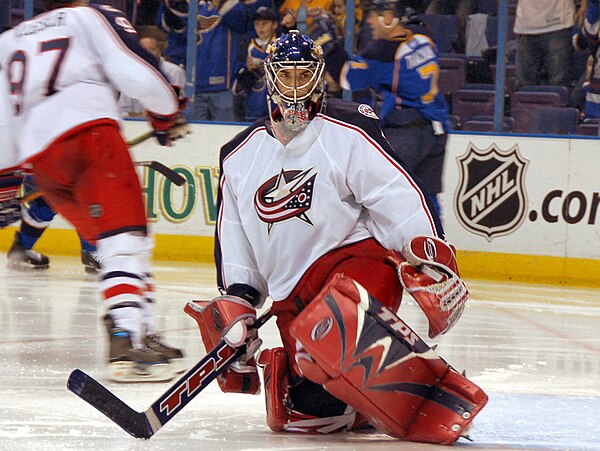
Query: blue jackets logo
point(285, 196)
point(490, 200)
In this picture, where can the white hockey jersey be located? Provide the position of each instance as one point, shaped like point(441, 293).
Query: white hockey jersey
point(65, 67)
point(338, 182)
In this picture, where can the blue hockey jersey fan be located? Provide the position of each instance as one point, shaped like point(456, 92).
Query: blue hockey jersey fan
point(402, 65)
point(404, 69)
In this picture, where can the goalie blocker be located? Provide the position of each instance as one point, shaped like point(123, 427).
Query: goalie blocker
point(230, 318)
point(366, 356)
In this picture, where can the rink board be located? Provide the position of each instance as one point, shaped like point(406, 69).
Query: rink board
point(517, 208)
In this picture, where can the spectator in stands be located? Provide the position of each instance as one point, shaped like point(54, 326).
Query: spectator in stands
point(462, 9)
point(591, 32)
point(322, 29)
point(175, 27)
point(289, 10)
point(175, 74)
point(221, 29)
point(544, 41)
point(402, 65)
point(250, 87)
point(339, 12)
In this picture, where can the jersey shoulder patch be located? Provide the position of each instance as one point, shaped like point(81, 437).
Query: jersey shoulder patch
point(359, 115)
point(366, 110)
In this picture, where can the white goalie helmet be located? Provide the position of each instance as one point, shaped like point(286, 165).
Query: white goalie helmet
point(294, 69)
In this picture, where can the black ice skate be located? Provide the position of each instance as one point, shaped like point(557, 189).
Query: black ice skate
point(21, 258)
point(128, 364)
point(91, 261)
point(175, 355)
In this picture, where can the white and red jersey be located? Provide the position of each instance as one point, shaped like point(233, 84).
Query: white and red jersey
point(338, 182)
point(65, 68)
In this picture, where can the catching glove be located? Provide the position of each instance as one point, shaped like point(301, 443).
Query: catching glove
point(428, 270)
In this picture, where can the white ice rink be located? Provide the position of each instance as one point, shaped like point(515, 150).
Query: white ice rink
point(534, 349)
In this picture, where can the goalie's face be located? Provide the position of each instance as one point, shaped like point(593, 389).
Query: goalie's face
point(295, 84)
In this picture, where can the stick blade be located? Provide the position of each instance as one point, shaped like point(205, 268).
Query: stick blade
point(98, 396)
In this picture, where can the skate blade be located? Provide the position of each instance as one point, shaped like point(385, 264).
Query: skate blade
point(133, 372)
point(24, 266)
point(178, 365)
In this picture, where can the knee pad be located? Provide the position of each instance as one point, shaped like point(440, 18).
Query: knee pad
point(366, 356)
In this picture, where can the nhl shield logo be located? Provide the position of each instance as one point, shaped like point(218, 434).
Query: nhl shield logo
point(491, 199)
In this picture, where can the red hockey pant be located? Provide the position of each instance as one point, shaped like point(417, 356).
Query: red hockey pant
point(88, 177)
point(363, 261)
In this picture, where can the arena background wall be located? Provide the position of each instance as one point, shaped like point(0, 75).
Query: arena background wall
point(518, 208)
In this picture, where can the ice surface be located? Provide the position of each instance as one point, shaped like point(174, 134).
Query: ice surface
point(534, 349)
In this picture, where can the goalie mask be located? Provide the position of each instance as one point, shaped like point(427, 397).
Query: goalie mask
point(294, 69)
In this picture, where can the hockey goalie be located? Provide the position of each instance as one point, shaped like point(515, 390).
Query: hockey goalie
point(317, 211)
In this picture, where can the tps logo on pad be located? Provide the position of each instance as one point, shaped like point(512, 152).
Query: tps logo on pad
point(490, 200)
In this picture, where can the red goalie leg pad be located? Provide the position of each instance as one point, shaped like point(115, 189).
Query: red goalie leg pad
point(436, 424)
point(275, 372)
point(366, 356)
point(212, 319)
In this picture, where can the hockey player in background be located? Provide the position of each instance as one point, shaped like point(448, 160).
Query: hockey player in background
point(63, 69)
point(36, 217)
point(401, 63)
point(315, 211)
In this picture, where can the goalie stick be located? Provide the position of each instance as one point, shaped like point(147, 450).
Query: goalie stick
point(146, 424)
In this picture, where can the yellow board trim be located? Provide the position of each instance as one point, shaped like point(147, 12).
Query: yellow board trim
point(474, 265)
point(530, 268)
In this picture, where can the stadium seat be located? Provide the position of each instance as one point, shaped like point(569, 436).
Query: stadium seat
point(510, 77)
point(443, 29)
point(453, 72)
point(562, 91)
point(487, 125)
point(467, 103)
point(523, 103)
point(554, 120)
point(587, 129)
